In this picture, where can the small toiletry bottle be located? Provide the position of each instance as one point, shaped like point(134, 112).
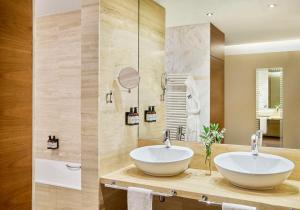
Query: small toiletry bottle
point(136, 116)
point(148, 114)
point(153, 114)
point(127, 118)
point(49, 143)
point(54, 143)
point(130, 117)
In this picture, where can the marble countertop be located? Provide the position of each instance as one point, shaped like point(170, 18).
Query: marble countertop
point(194, 183)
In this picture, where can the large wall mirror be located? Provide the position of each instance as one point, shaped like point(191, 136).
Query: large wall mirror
point(199, 65)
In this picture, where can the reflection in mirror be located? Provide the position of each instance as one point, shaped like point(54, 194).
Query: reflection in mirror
point(269, 105)
point(129, 78)
point(198, 66)
point(182, 75)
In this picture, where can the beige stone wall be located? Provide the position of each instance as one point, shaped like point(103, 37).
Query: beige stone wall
point(240, 96)
point(56, 198)
point(57, 85)
point(151, 67)
point(118, 50)
point(89, 104)
point(58, 101)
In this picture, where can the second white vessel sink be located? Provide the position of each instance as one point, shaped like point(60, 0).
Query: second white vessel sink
point(249, 171)
point(159, 160)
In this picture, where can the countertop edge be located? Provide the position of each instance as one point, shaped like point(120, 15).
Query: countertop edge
point(120, 179)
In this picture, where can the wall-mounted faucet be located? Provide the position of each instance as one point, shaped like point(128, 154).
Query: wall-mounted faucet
point(166, 139)
point(180, 134)
point(256, 141)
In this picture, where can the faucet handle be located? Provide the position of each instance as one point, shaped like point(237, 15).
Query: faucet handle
point(167, 133)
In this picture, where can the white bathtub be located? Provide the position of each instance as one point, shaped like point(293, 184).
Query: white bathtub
point(58, 173)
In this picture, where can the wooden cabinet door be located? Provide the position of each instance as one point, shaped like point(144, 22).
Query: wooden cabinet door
point(15, 104)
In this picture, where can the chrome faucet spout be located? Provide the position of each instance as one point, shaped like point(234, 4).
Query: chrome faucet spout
point(256, 141)
point(254, 145)
point(166, 139)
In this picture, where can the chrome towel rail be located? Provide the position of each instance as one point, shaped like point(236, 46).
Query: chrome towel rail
point(71, 167)
point(114, 186)
point(209, 203)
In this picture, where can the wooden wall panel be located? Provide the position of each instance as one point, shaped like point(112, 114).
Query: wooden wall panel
point(217, 43)
point(217, 91)
point(15, 104)
point(117, 200)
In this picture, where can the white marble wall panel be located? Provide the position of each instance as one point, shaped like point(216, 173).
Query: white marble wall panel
point(188, 52)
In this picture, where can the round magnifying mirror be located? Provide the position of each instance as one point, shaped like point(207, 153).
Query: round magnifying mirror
point(129, 78)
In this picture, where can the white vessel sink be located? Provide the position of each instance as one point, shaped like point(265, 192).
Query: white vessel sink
point(159, 160)
point(245, 170)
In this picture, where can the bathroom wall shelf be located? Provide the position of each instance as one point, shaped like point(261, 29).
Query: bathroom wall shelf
point(195, 184)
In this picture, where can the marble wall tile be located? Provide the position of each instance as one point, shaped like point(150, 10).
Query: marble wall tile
point(56, 198)
point(89, 103)
point(118, 50)
point(57, 85)
point(151, 67)
point(188, 52)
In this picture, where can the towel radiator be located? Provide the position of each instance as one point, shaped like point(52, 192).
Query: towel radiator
point(176, 103)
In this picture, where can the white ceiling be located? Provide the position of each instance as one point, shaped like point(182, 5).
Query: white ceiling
point(50, 7)
point(242, 21)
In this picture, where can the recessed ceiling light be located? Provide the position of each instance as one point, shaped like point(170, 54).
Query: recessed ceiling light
point(210, 14)
point(272, 5)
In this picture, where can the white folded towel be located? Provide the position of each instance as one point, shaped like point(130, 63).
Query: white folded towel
point(230, 206)
point(263, 124)
point(139, 199)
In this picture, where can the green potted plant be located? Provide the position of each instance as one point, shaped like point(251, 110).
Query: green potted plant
point(210, 135)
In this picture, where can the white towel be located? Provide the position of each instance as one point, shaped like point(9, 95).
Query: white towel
point(139, 199)
point(193, 127)
point(263, 124)
point(230, 206)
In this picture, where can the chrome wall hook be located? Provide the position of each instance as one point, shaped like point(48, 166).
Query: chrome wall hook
point(108, 97)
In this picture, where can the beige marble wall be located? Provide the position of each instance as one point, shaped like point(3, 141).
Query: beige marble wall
point(151, 66)
point(118, 49)
point(58, 101)
point(57, 85)
point(56, 198)
point(89, 103)
point(68, 60)
point(188, 52)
